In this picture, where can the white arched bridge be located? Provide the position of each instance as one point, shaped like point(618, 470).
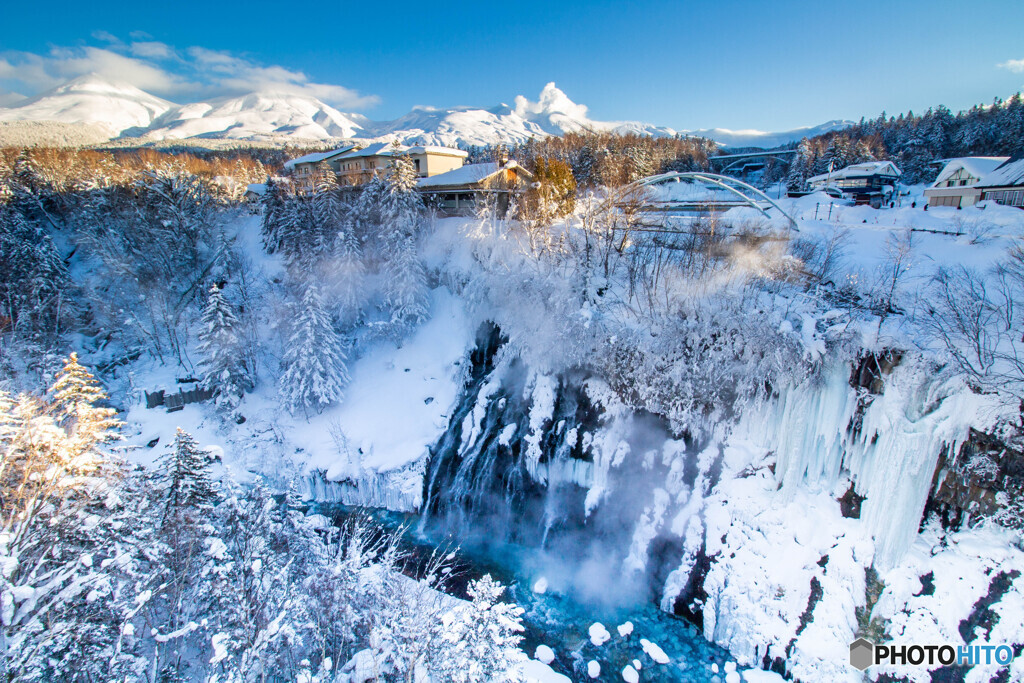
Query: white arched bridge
point(700, 193)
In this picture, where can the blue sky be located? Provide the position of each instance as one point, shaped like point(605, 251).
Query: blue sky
point(731, 63)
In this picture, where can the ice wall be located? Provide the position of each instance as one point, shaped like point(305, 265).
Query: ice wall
point(400, 489)
point(825, 430)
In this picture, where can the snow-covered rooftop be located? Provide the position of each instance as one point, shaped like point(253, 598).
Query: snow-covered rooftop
point(1011, 172)
point(978, 167)
point(317, 157)
point(387, 149)
point(467, 175)
point(867, 168)
point(437, 149)
point(377, 149)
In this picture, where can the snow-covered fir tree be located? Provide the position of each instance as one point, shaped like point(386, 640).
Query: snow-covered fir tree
point(366, 211)
point(327, 206)
point(273, 203)
point(64, 520)
point(33, 276)
point(296, 231)
point(404, 277)
point(801, 166)
point(260, 620)
point(483, 636)
point(181, 581)
point(314, 362)
point(405, 285)
point(77, 399)
point(185, 473)
point(344, 274)
point(220, 343)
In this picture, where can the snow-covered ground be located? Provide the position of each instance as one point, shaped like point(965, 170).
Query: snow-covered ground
point(374, 442)
point(789, 573)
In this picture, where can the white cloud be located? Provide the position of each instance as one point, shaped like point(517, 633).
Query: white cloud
point(239, 75)
point(156, 67)
point(8, 99)
point(1014, 65)
point(72, 62)
point(36, 73)
point(151, 49)
point(106, 37)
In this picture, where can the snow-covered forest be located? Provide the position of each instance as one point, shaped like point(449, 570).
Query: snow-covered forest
point(786, 436)
point(917, 141)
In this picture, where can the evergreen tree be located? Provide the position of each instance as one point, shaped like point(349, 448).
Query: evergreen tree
point(345, 273)
point(800, 168)
point(327, 209)
point(553, 194)
point(273, 215)
point(183, 583)
point(401, 177)
point(401, 205)
point(76, 398)
point(185, 474)
point(26, 173)
point(220, 343)
point(638, 162)
point(314, 362)
point(67, 551)
point(326, 212)
point(366, 212)
point(481, 636)
point(297, 232)
point(406, 286)
point(261, 620)
point(33, 277)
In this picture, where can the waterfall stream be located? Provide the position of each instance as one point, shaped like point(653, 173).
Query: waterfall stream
point(560, 620)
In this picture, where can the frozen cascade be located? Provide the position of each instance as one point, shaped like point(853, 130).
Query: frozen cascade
point(400, 489)
point(558, 463)
point(887, 444)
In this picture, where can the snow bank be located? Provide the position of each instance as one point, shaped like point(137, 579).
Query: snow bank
point(371, 447)
point(960, 569)
point(539, 672)
point(598, 634)
point(770, 551)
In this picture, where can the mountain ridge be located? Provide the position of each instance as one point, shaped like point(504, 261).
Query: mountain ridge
point(273, 116)
point(90, 99)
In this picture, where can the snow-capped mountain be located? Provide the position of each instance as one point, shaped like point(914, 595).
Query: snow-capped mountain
point(91, 99)
point(555, 114)
point(757, 138)
point(128, 112)
point(258, 115)
point(455, 126)
point(552, 114)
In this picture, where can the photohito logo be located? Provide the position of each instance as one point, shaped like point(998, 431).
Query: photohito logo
point(864, 653)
